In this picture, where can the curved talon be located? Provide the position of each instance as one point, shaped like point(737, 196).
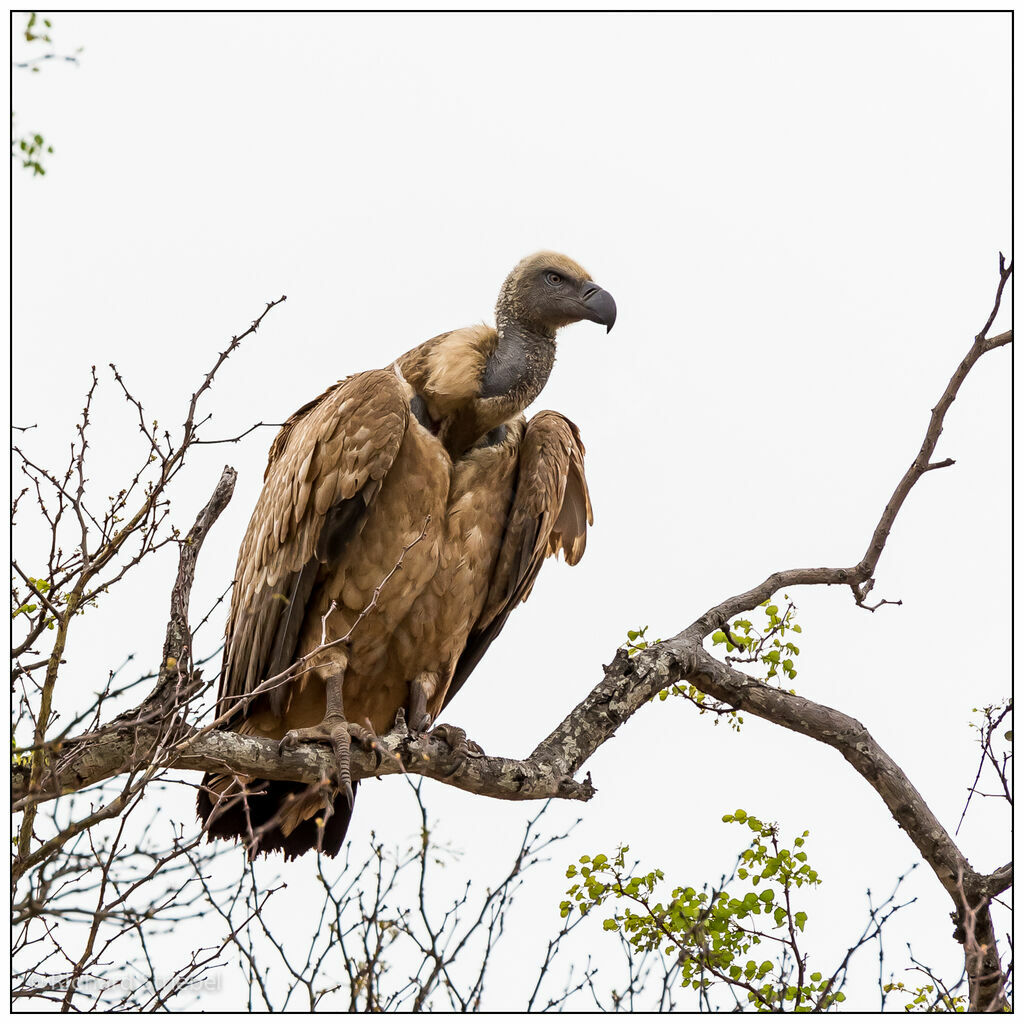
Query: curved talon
point(362, 735)
point(461, 746)
point(289, 741)
point(378, 754)
point(368, 738)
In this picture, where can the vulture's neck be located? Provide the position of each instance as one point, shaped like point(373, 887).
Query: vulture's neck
point(515, 372)
point(520, 364)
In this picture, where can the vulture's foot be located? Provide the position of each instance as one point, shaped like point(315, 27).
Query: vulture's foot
point(340, 733)
point(462, 746)
point(421, 689)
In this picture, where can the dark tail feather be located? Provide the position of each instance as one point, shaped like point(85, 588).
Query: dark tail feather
point(233, 820)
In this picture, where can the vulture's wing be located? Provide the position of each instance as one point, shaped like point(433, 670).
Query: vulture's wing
point(550, 513)
point(325, 468)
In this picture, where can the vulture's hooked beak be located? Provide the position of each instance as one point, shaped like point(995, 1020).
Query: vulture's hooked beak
point(599, 305)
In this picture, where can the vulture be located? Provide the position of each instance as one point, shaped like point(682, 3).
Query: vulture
point(404, 514)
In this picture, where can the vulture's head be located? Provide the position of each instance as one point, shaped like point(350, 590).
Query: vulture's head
point(547, 290)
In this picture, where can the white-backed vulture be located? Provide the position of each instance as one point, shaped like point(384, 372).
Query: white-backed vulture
point(428, 462)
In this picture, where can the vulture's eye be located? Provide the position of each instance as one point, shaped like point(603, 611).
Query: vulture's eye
point(552, 278)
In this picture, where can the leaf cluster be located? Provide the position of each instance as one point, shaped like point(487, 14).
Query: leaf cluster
point(714, 935)
point(925, 999)
point(636, 642)
point(33, 32)
point(765, 644)
point(30, 150)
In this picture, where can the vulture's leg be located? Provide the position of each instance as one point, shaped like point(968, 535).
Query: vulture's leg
point(336, 730)
point(421, 690)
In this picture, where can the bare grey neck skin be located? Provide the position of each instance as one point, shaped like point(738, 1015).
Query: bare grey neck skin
point(521, 363)
point(514, 375)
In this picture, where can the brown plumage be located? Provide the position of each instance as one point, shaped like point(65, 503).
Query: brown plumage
point(428, 462)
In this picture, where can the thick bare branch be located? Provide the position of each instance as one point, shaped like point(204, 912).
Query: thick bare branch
point(87, 761)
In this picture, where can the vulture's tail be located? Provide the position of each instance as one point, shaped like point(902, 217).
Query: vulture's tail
point(262, 813)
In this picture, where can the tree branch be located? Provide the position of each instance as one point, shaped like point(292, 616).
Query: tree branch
point(176, 663)
point(90, 759)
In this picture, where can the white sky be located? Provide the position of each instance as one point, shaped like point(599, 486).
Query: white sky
point(799, 217)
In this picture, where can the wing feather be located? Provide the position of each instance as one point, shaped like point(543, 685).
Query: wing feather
point(550, 513)
point(323, 472)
